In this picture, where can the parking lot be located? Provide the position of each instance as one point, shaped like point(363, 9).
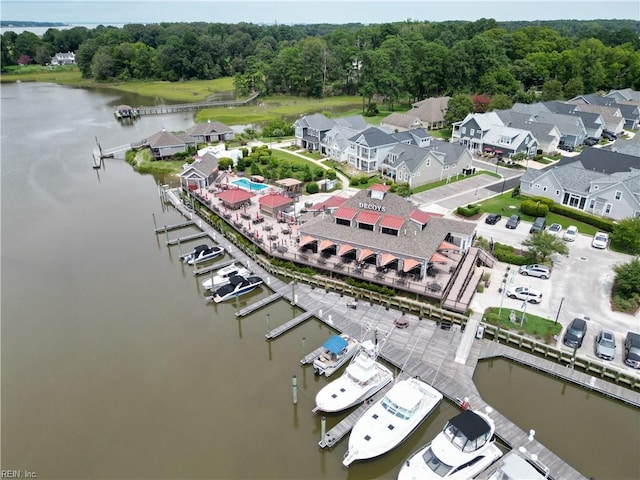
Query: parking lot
point(580, 284)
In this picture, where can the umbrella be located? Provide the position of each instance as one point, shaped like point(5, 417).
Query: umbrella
point(237, 218)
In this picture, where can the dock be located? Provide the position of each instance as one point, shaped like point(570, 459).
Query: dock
point(176, 226)
point(291, 324)
point(213, 267)
point(189, 107)
point(188, 238)
point(259, 304)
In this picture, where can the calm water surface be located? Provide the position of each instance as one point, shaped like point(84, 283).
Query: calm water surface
point(113, 366)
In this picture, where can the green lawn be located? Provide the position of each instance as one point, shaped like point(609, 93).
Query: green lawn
point(506, 205)
point(534, 325)
point(457, 178)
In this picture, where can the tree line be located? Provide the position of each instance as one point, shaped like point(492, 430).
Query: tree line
point(521, 61)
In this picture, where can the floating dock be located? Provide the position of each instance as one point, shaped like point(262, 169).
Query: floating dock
point(176, 226)
point(188, 238)
point(259, 304)
point(285, 327)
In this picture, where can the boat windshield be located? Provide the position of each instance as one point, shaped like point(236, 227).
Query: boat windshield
point(460, 440)
point(434, 463)
point(395, 409)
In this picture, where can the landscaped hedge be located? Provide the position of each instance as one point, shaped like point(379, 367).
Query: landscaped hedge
point(598, 222)
point(369, 286)
point(506, 253)
point(468, 211)
point(534, 208)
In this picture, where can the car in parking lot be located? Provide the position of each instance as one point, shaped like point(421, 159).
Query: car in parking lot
point(609, 135)
point(605, 345)
point(535, 270)
point(513, 222)
point(570, 233)
point(554, 229)
point(525, 293)
point(565, 147)
point(575, 333)
point(538, 225)
point(590, 141)
point(632, 349)
point(492, 218)
point(600, 240)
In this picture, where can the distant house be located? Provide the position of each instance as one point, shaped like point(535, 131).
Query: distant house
point(68, 58)
point(420, 166)
point(431, 112)
point(626, 100)
point(165, 144)
point(597, 181)
point(310, 131)
point(211, 132)
point(400, 122)
point(471, 130)
point(612, 116)
point(547, 135)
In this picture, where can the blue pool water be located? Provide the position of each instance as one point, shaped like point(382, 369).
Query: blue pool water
point(249, 185)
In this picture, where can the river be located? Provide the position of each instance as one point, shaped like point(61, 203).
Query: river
point(113, 366)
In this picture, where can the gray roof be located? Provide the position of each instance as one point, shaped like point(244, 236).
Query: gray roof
point(373, 137)
point(404, 120)
point(206, 128)
point(410, 155)
point(207, 164)
point(532, 109)
point(567, 124)
point(540, 130)
point(355, 122)
point(412, 242)
point(591, 120)
point(626, 146)
point(575, 178)
point(431, 109)
point(452, 151)
point(167, 139)
point(316, 121)
point(604, 161)
point(627, 93)
point(555, 106)
point(592, 99)
point(411, 135)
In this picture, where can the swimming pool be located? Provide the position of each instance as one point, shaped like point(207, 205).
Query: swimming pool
point(249, 185)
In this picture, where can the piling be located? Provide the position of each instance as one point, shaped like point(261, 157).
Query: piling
point(294, 389)
point(323, 428)
point(268, 322)
point(155, 227)
point(304, 349)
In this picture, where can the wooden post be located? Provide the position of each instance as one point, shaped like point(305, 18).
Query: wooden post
point(294, 389)
point(155, 227)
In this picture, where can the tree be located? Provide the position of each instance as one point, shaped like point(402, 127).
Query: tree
point(500, 102)
point(458, 107)
point(542, 245)
point(626, 235)
point(627, 281)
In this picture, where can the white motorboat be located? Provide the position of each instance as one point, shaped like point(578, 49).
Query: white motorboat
point(463, 449)
point(200, 254)
point(363, 378)
point(391, 419)
point(236, 287)
point(223, 275)
point(335, 353)
point(514, 466)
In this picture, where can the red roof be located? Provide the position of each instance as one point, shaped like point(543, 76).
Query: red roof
point(345, 213)
point(392, 222)
point(422, 217)
point(379, 187)
point(368, 218)
point(331, 202)
point(235, 195)
point(274, 200)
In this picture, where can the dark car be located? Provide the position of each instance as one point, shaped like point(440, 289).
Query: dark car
point(632, 349)
point(513, 221)
point(609, 135)
point(590, 141)
point(575, 333)
point(492, 218)
point(565, 147)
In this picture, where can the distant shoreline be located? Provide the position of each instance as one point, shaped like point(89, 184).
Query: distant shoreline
point(22, 24)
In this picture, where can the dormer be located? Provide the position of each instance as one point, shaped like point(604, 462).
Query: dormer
point(378, 191)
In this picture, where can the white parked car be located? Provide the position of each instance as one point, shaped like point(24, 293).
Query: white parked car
point(525, 293)
point(600, 240)
point(554, 229)
point(571, 234)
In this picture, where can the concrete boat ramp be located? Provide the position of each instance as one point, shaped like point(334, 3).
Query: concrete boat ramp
point(439, 353)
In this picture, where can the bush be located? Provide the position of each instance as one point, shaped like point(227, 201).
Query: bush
point(534, 208)
point(312, 187)
point(468, 211)
point(598, 222)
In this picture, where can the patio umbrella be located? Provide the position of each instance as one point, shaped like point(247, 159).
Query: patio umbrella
point(237, 217)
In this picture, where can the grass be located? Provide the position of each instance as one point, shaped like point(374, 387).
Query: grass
point(502, 204)
point(191, 91)
point(533, 325)
point(64, 75)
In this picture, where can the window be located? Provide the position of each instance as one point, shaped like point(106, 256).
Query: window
point(636, 213)
point(464, 129)
point(607, 209)
point(618, 195)
point(472, 132)
point(592, 204)
point(557, 192)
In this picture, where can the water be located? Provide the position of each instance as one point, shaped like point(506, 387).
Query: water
point(113, 366)
point(249, 185)
point(597, 436)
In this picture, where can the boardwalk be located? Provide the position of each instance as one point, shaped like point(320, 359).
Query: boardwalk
point(187, 107)
point(439, 353)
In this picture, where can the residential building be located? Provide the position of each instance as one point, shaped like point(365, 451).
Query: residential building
point(165, 144)
point(629, 107)
point(60, 58)
point(547, 135)
point(470, 132)
point(310, 131)
point(200, 174)
point(211, 132)
point(597, 181)
point(612, 116)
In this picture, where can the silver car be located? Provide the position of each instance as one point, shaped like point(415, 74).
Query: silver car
point(605, 346)
point(535, 270)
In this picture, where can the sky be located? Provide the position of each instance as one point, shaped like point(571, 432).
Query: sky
point(117, 12)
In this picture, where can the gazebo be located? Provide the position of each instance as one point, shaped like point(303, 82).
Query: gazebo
point(274, 203)
point(235, 198)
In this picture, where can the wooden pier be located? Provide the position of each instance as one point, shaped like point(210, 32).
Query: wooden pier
point(276, 332)
point(213, 267)
point(188, 238)
point(259, 304)
point(189, 107)
point(177, 226)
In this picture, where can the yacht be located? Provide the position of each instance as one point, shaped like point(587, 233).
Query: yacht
point(515, 466)
point(200, 254)
point(223, 275)
point(335, 353)
point(363, 378)
point(392, 419)
point(463, 449)
point(236, 287)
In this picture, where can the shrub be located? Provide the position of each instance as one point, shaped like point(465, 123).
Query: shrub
point(468, 211)
point(534, 208)
point(598, 222)
point(312, 187)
